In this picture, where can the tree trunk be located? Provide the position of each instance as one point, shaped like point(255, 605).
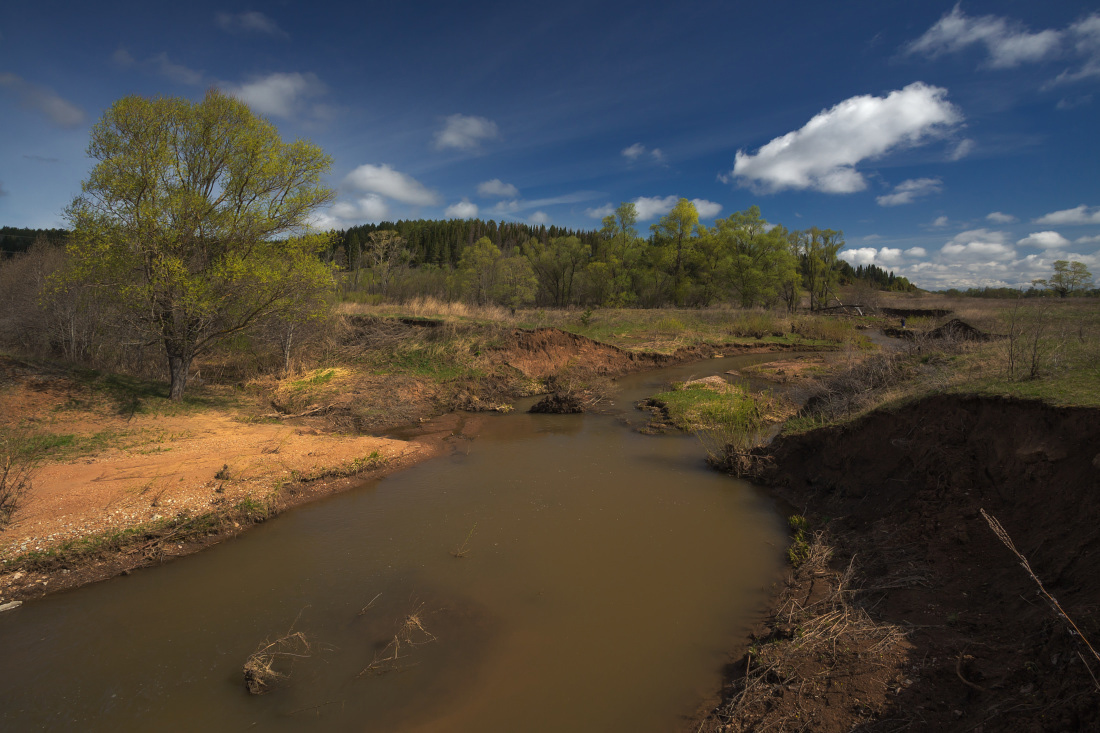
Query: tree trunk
point(178, 365)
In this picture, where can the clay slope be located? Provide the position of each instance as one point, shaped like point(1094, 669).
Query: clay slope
point(906, 487)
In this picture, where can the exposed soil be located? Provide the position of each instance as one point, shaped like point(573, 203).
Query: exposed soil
point(974, 646)
point(204, 463)
point(955, 330)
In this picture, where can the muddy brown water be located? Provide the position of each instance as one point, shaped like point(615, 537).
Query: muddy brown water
point(607, 575)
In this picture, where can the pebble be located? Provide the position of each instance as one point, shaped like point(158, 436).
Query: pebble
point(10, 606)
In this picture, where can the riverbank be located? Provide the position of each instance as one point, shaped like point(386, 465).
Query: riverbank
point(908, 609)
point(129, 479)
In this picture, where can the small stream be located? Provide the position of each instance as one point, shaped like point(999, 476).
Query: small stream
point(607, 574)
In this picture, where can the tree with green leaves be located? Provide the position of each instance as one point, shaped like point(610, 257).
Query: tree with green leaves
point(195, 218)
point(675, 229)
point(818, 250)
point(556, 264)
point(1068, 278)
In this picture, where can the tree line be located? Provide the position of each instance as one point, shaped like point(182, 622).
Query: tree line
point(742, 259)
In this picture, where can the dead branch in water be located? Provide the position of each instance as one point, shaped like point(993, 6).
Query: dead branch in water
point(464, 548)
point(260, 673)
point(411, 633)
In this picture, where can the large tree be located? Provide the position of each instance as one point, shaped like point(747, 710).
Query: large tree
point(195, 218)
point(1068, 278)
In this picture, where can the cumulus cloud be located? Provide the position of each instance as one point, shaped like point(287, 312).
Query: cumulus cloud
point(998, 218)
point(371, 207)
point(651, 207)
point(940, 221)
point(1095, 239)
point(980, 235)
point(464, 209)
point(916, 252)
point(497, 187)
point(1046, 240)
point(907, 192)
point(637, 151)
point(1007, 43)
point(886, 257)
point(385, 181)
point(1078, 215)
point(706, 209)
point(600, 211)
point(822, 155)
point(539, 217)
point(281, 94)
point(42, 99)
point(859, 256)
point(465, 133)
point(250, 22)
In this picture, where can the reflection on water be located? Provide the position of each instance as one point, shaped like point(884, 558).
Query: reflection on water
point(605, 576)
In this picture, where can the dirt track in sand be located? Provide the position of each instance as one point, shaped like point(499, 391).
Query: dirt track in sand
point(982, 650)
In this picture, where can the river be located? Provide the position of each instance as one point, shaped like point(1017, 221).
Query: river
point(604, 577)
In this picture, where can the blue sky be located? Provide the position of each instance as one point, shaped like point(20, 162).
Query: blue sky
point(954, 144)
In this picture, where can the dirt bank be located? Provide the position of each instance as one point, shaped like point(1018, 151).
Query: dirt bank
point(973, 646)
point(124, 488)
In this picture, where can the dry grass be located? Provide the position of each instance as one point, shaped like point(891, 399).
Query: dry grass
point(817, 640)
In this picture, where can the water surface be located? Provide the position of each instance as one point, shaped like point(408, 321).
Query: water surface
point(607, 575)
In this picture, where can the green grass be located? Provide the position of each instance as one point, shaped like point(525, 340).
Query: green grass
point(320, 378)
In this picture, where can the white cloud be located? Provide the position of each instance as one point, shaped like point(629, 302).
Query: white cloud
point(461, 210)
point(539, 217)
point(1095, 239)
point(871, 237)
point(601, 211)
point(962, 149)
point(1007, 43)
point(886, 257)
point(384, 180)
point(889, 255)
point(637, 150)
point(651, 207)
point(250, 22)
point(998, 218)
point(940, 221)
point(908, 191)
point(978, 251)
point(706, 209)
point(1078, 215)
point(1046, 240)
point(1086, 42)
point(822, 155)
point(513, 205)
point(860, 256)
point(371, 207)
point(279, 94)
point(497, 187)
point(464, 132)
point(43, 99)
point(979, 235)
